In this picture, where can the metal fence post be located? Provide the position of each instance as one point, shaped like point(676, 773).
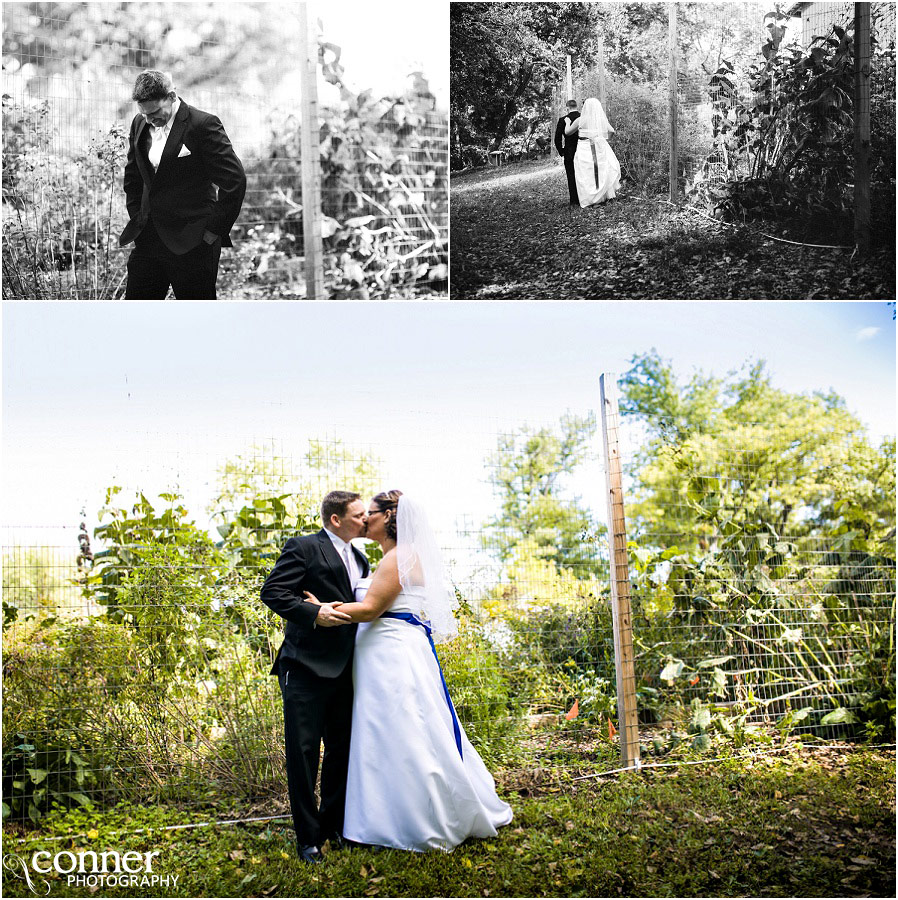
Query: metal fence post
point(862, 59)
point(628, 725)
point(310, 161)
point(672, 95)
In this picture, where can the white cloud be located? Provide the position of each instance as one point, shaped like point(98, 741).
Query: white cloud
point(866, 334)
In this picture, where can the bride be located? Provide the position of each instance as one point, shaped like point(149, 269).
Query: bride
point(596, 168)
point(415, 781)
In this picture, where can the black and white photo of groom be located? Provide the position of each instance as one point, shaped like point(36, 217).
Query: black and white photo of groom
point(314, 665)
point(567, 148)
point(184, 186)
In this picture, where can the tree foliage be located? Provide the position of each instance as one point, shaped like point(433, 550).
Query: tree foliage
point(505, 62)
point(509, 59)
point(792, 459)
point(789, 141)
point(535, 518)
point(763, 525)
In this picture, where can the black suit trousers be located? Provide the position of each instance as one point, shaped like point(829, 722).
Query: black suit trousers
point(571, 179)
point(153, 268)
point(316, 709)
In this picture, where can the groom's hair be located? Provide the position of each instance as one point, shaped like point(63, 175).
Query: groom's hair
point(336, 503)
point(572, 104)
point(152, 85)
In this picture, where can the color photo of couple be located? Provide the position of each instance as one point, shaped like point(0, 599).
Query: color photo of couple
point(359, 671)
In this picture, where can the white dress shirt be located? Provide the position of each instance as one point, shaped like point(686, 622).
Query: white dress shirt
point(160, 136)
point(344, 551)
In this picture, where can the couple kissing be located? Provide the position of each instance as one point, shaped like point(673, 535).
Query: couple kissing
point(358, 671)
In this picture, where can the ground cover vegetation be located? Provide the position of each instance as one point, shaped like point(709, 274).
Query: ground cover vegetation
point(801, 822)
point(516, 239)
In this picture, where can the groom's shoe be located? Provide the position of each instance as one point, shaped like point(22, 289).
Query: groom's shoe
point(309, 853)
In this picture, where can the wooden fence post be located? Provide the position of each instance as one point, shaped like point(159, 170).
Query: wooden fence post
point(672, 95)
point(310, 160)
point(862, 59)
point(628, 725)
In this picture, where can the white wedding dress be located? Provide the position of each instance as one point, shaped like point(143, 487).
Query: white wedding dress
point(596, 168)
point(408, 785)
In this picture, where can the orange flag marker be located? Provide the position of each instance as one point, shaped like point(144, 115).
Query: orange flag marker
point(574, 711)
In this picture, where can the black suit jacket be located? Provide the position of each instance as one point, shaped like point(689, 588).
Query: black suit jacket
point(311, 563)
point(566, 146)
point(180, 194)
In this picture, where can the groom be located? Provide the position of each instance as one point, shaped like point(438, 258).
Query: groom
point(314, 665)
point(177, 156)
point(567, 147)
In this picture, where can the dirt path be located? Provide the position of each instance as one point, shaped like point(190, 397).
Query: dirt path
point(514, 238)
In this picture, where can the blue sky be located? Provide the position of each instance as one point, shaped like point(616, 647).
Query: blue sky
point(157, 392)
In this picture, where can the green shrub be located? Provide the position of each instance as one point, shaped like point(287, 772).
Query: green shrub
point(62, 214)
point(480, 690)
point(38, 773)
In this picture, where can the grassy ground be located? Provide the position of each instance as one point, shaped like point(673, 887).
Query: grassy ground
point(800, 822)
point(514, 238)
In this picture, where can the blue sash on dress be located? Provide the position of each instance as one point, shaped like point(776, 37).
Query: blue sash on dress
point(414, 620)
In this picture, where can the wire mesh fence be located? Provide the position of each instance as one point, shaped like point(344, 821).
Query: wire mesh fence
point(747, 598)
point(69, 70)
point(642, 105)
point(137, 651)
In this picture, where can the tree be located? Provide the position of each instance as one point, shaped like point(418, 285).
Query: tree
point(506, 59)
point(764, 524)
point(263, 473)
point(264, 497)
point(527, 471)
point(200, 43)
point(742, 447)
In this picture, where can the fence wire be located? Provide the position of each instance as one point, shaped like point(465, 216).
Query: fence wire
point(136, 650)
point(758, 591)
point(68, 72)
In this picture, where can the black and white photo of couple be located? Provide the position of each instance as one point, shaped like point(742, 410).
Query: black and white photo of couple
point(358, 670)
point(581, 139)
point(749, 151)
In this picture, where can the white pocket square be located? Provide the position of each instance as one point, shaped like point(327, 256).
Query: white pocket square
point(183, 151)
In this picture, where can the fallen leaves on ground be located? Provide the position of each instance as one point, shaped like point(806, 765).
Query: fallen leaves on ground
point(515, 238)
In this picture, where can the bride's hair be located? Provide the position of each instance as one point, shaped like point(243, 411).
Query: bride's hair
point(388, 500)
